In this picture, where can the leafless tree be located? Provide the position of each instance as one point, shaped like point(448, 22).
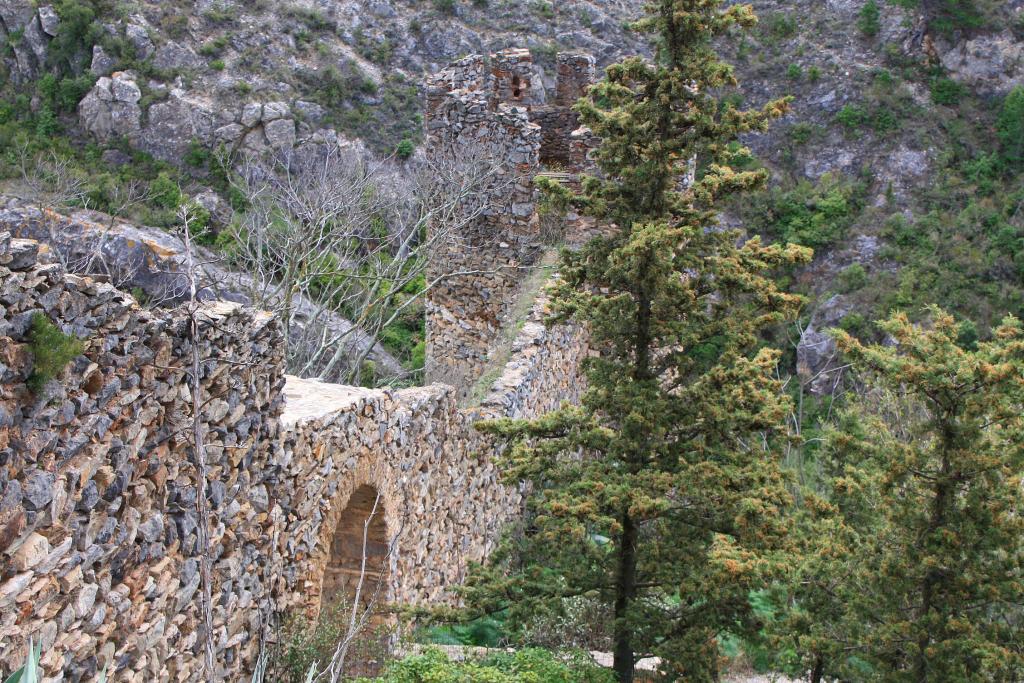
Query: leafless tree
point(198, 437)
point(363, 607)
point(326, 231)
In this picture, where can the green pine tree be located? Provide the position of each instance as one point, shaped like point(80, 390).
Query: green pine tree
point(1010, 128)
point(657, 496)
point(917, 569)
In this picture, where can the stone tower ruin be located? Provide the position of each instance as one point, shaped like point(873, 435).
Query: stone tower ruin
point(494, 112)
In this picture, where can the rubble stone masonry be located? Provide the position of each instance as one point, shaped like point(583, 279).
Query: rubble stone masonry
point(98, 530)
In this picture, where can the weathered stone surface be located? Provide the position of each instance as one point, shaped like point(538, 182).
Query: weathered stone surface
point(111, 109)
point(48, 20)
point(173, 125)
point(102, 63)
point(110, 537)
point(280, 133)
point(32, 551)
point(988, 63)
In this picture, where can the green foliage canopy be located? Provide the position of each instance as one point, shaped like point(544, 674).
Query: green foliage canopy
point(656, 496)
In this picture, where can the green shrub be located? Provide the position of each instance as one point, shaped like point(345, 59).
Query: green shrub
point(794, 72)
point(868, 19)
point(808, 214)
point(524, 666)
point(780, 26)
point(946, 91)
point(405, 149)
point(1010, 128)
point(217, 65)
point(852, 278)
point(814, 74)
point(165, 191)
point(851, 117)
point(51, 351)
point(802, 132)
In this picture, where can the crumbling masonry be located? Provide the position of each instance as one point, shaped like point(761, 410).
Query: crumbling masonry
point(495, 111)
point(99, 551)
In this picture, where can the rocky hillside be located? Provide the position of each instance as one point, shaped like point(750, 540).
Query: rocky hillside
point(255, 73)
point(895, 164)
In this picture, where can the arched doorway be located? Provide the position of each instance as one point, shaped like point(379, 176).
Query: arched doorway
point(362, 530)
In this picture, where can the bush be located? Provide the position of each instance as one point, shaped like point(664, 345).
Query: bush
point(852, 278)
point(405, 149)
point(794, 72)
point(524, 666)
point(811, 215)
point(851, 117)
point(1010, 128)
point(51, 351)
point(946, 91)
point(165, 192)
point(868, 19)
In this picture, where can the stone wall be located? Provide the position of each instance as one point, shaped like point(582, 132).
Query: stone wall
point(98, 529)
point(98, 543)
point(495, 111)
point(486, 261)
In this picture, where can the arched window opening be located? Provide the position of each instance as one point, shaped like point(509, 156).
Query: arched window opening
point(361, 531)
point(517, 87)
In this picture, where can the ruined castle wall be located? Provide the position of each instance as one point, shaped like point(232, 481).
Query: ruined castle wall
point(98, 529)
point(557, 120)
point(441, 492)
point(98, 542)
point(486, 260)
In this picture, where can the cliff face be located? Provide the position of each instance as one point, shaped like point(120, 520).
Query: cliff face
point(262, 74)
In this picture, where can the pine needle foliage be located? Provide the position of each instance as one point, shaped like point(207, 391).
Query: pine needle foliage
point(51, 350)
point(658, 495)
point(917, 568)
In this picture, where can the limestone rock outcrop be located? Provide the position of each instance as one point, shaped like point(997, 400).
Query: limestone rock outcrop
point(111, 109)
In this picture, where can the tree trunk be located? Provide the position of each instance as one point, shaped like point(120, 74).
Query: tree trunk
point(625, 591)
point(819, 669)
point(940, 504)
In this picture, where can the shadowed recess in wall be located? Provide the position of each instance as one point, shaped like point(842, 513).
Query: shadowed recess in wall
point(361, 530)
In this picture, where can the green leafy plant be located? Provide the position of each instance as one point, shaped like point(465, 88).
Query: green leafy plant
point(946, 91)
point(51, 351)
point(1010, 128)
point(868, 19)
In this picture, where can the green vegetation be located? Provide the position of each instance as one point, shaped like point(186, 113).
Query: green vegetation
point(51, 351)
point(915, 535)
point(677, 381)
point(524, 666)
point(812, 214)
point(868, 19)
point(1010, 129)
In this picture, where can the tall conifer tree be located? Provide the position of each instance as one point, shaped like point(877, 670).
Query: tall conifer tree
point(657, 496)
point(917, 573)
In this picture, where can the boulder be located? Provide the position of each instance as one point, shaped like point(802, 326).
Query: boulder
point(991, 63)
point(49, 21)
point(280, 133)
point(174, 124)
point(138, 36)
point(102, 63)
point(272, 111)
point(111, 109)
